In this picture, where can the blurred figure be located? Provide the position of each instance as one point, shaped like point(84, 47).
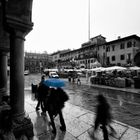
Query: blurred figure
point(40, 94)
point(78, 80)
point(69, 78)
point(120, 99)
point(34, 91)
point(103, 116)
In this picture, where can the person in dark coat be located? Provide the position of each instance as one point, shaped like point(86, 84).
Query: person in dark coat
point(54, 105)
point(40, 94)
point(103, 116)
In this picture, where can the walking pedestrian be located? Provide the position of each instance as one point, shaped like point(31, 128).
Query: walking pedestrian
point(78, 80)
point(69, 78)
point(34, 91)
point(54, 104)
point(40, 94)
point(103, 116)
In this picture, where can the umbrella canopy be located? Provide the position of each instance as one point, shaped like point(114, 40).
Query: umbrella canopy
point(53, 82)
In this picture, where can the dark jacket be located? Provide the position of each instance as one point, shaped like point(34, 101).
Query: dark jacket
point(42, 91)
point(103, 111)
point(56, 100)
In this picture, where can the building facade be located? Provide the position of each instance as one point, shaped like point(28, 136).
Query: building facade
point(84, 57)
point(96, 52)
point(36, 62)
point(56, 58)
point(122, 52)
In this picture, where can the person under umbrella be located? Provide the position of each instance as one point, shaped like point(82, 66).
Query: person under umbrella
point(55, 101)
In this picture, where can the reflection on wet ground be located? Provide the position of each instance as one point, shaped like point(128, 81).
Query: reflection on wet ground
point(42, 128)
point(125, 106)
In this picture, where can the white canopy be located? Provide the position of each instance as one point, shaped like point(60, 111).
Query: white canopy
point(119, 68)
point(134, 68)
point(99, 69)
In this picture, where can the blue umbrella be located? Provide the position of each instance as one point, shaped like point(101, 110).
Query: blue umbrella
point(53, 82)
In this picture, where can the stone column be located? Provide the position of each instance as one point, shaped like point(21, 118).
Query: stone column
point(4, 48)
point(17, 22)
point(17, 74)
point(21, 123)
point(3, 74)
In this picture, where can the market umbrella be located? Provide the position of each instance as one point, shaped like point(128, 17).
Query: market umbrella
point(53, 82)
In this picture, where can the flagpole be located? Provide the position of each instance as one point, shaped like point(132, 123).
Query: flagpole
point(89, 20)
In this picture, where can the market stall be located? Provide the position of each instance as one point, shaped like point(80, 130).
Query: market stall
point(114, 76)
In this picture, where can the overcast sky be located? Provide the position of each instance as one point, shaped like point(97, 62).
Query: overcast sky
point(63, 24)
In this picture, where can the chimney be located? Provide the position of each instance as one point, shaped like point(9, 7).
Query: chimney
point(119, 37)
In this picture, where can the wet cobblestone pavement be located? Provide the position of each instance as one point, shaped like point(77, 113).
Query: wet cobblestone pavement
point(79, 123)
point(79, 113)
point(125, 106)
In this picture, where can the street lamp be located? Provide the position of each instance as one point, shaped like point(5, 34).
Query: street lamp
point(89, 20)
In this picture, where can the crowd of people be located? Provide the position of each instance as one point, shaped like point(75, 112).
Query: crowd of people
point(52, 100)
